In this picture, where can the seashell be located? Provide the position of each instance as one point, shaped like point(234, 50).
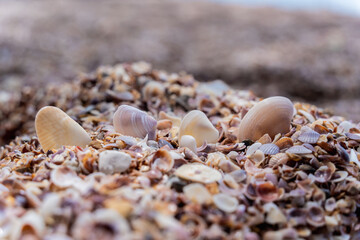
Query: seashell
point(285, 233)
point(278, 159)
point(228, 166)
point(267, 191)
point(344, 127)
point(271, 115)
point(87, 222)
point(297, 216)
point(284, 142)
point(197, 193)
point(30, 226)
point(307, 115)
point(189, 142)
point(258, 157)
point(163, 160)
point(320, 129)
point(274, 214)
point(176, 121)
point(55, 128)
point(330, 204)
point(215, 88)
point(198, 173)
point(323, 174)
point(196, 124)
point(153, 89)
point(269, 149)
point(112, 161)
point(354, 158)
point(298, 149)
point(63, 177)
point(252, 149)
point(339, 176)
point(265, 139)
point(225, 202)
point(238, 175)
point(316, 215)
point(309, 137)
point(164, 124)
point(353, 136)
point(134, 122)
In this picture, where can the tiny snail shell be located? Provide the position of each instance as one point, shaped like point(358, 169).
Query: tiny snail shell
point(271, 115)
point(133, 122)
point(189, 142)
point(196, 124)
point(55, 128)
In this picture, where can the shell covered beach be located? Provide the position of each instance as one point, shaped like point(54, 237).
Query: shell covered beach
point(150, 154)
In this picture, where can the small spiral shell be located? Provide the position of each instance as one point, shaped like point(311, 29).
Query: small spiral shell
point(134, 122)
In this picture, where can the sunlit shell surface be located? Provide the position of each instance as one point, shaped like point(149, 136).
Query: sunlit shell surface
point(198, 173)
point(134, 122)
point(55, 128)
point(196, 124)
point(271, 115)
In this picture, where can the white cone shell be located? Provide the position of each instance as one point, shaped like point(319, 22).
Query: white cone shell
point(196, 124)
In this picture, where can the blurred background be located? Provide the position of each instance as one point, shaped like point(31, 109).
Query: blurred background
point(308, 50)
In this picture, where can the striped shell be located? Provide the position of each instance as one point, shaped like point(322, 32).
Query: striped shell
point(133, 122)
point(309, 137)
point(269, 149)
point(298, 149)
point(55, 128)
point(196, 124)
point(271, 115)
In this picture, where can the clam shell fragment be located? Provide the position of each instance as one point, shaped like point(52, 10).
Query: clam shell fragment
point(196, 124)
point(55, 128)
point(271, 115)
point(198, 173)
point(134, 122)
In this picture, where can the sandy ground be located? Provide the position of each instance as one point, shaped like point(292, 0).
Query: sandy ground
point(312, 57)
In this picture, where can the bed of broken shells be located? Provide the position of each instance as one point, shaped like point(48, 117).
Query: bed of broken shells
point(300, 185)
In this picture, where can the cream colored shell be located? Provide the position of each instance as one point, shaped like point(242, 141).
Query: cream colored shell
point(271, 115)
point(55, 128)
point(196, 124)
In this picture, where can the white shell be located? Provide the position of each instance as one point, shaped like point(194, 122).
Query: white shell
point(112, 161)
point(55, 128)
point(134, 122)
point(198, 173)
point(225, 202)
point(63, 177)
point(189, 142)
point(31, 220)
point(196, 124)
point(197, 193)
point(271, 115)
